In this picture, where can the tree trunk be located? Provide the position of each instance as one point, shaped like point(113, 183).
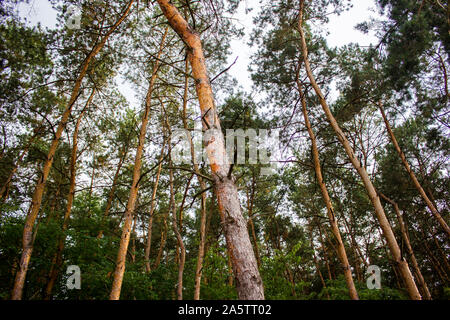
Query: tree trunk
point(250, 201)
point(18, 162)
point(412, 175)
point(148, 244)
point(181, 252)
point(201, 246)
point(415, 265)
point(112, 192)
point(40, 186)
point(129, 212)
point(384, 223)
point(248, 280)
point(322, 280)
point(57, 260)
point(342, 254)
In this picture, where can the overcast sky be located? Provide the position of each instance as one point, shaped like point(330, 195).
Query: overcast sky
point(341, 30)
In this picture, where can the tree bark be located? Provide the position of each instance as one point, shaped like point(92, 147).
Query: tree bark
point(40, 186)
point(129, 212)
point(248, 280)
point(412, 175)
point(384, 223)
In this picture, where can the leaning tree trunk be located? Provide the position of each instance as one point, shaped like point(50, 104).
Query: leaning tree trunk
point(40, 186)
point(381, 216)
point(57, 260)
point(248, 280)
point(415, 265)
point(342, 254)
point(412, 175)
point(129, 212)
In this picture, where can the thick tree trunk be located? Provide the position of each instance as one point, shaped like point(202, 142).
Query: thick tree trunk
point(412, 175)
point(415, 265)
point(40, 186)
point(342, 254)
point(129, 212)
point(384, 223)
point(57, 260)
point(248, 281)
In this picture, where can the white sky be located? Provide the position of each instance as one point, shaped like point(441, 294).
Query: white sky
point(341, 32)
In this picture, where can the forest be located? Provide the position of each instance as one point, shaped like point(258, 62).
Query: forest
point(353, 203)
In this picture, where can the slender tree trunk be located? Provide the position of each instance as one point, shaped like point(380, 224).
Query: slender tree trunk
point(111, 193)
point(342, 254)
point(162, 242)
point(18, 163)
point(384, 223)
point(201, 247)
point(57, 260)
point(248, 280)
point(182, 251)
point(325, 252)
point(415, 265)
point(54, 202)
point(358, 258)
point(250, 220)
point(133, 240)
point(179, 239)
point(148, 244)
point(129, 212)
point(91, 186)
point(412, 175)
point(322, 280)
point(40, 186)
